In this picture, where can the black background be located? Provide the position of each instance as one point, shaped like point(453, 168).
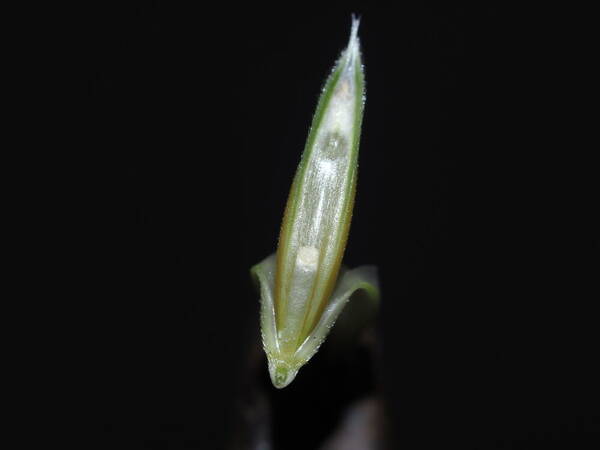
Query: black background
point(471, 201)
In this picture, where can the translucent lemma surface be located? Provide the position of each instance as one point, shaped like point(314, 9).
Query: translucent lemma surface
point(318, 213)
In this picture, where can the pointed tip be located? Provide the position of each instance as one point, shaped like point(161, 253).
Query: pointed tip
point(353, 41)
point(355, 25)
point(353, 49)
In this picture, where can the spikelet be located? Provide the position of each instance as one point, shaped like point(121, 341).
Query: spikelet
point(303, 286)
